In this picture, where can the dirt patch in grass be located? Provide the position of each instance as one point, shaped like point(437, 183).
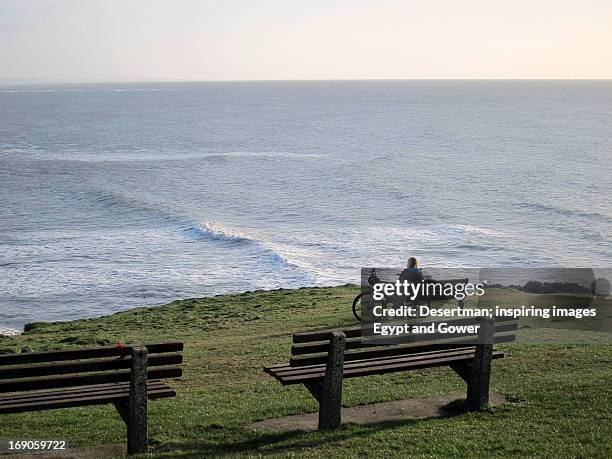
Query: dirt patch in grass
point(398, 410)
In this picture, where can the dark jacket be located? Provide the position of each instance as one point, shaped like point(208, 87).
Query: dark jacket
point(412, 275)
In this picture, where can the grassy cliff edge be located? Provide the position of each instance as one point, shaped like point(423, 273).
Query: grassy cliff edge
point(560, 394)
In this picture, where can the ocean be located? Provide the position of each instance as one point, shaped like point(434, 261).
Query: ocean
point(122, 195)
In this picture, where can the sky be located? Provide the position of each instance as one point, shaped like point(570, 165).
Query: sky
point(157, 40)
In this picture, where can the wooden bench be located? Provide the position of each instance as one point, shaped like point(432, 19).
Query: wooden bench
point(124, 376)
point(321, 359)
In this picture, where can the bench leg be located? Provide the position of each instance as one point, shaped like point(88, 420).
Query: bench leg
point(137, 408)
point(464, 370)
point(478, 382)
point(330, 403)
point(124, 411)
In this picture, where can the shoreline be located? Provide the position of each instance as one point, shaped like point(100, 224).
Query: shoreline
point(8, 331)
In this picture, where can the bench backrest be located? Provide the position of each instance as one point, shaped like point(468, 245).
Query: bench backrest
point(311, 347)
point(83, 367)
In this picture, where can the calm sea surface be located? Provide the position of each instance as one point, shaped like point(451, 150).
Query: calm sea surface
point(120, 195)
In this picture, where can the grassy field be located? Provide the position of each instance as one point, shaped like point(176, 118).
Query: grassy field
point(560, 394)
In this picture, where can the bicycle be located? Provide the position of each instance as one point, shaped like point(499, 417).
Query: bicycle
point(373, 279)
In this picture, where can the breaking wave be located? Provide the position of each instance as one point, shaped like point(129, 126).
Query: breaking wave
point(214, 231)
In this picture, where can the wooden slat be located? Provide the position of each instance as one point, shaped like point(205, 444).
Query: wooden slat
point(284, 366)
point(85, 353)
point(85, 366)
point(84, 380)
point(356, 343)
point(283, 370)
point(392, 350)
point(87, 400)
point(372, 363)
point(278, 367)
point(381, 369)
point(287, 366)
point(66, 395)
point(72, 392)
point(469, 351)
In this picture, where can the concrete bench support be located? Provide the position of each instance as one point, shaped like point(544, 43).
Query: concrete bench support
point(480, 374)
point(330, 404)
point(328, 392)
point(137, 416)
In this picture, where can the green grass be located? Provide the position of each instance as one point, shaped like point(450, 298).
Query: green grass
point(560, 393)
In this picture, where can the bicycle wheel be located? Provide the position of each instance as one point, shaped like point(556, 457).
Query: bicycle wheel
point(357, 306)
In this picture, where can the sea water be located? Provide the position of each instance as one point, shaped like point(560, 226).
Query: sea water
point(121, 195)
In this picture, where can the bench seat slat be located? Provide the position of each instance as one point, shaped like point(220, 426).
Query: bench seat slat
point(85, 353)
point(288, 371)
point(382, 369)
point(81, 400)
point(72, 392)
point(69, 395)
point(84, 380)
point(86, 366)
point(287, 366)
point(275, 366)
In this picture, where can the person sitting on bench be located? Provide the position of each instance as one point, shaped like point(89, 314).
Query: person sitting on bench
point(412, 273)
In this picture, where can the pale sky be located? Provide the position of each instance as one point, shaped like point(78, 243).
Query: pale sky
point(141, 40)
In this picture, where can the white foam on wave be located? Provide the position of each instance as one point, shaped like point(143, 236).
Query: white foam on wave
point(267, 154)
point(474, 229)
point(8, 331)
point(216, 231)
point(122, 156)
point(135, 90)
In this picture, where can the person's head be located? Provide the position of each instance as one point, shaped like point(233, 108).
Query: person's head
point(413, 262)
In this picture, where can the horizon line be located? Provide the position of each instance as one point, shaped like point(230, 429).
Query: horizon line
point(14, 82)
